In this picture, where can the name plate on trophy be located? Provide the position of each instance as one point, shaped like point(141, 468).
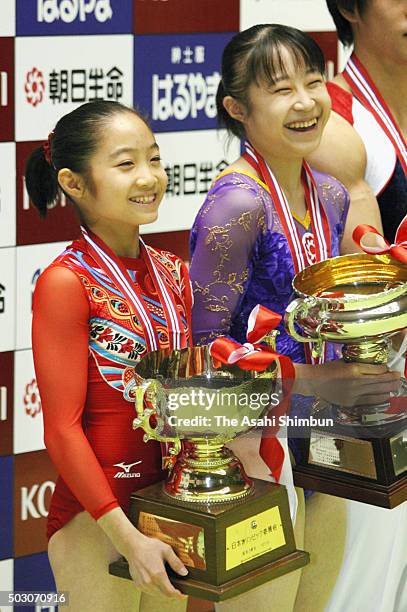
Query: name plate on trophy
point(350, 455)
point(254, 537)
point(186, 539)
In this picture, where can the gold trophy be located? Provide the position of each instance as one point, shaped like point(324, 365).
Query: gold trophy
point(231, 532)
point(358, 301)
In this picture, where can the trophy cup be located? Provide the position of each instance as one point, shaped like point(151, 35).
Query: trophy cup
point(232, 533)
point(358, 301)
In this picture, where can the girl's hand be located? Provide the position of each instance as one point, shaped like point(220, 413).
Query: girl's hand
point(146, 558)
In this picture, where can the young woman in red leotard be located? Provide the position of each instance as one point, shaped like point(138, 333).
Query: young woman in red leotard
point(97, 309)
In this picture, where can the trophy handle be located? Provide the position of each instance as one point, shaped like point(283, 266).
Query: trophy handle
point(146, 390)
point(299, 308)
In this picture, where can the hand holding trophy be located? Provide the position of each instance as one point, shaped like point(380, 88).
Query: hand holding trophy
point(360, 302)
point(231, 532)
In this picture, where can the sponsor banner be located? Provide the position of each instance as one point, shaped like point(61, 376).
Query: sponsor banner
point(176, 78)
point(33, 573)
point(28, 424)
point(302, 14)
point(6, 508)
point(7, 299)
point(176, 16)
point(59, 224)
point(31, 261)
point(192, 160)
point(7, 18)
point(49, 85)
point(7, 194)
point(56, 17)
point(6, 580)
point(6, 88)
point(34, 483)
point(6, 403)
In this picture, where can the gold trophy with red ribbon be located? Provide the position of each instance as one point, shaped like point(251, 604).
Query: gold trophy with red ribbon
point(232, 532)
point(358, 301)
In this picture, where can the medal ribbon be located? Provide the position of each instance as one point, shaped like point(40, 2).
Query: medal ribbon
point(258, 357)
point(111, 265)
point(367, 93)
point(319, 221)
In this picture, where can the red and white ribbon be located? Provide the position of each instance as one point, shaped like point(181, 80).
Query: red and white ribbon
point(302, 255)
point(114, 269)
point(367, 93)
point(398, 249)
point(258, 357)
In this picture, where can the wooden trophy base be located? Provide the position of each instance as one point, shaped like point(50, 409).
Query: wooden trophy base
point(356, 465)
point(228, 548)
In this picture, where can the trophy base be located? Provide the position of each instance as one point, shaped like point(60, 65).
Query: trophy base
point(375, 494)
point(366, 464)
point(228, 548)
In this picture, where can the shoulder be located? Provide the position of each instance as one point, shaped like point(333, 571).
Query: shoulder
point(238, 180)
point(331, 190)
point(163, 255)
point(169, 263)
point(60, 276)
point(60, 290)
point(324, 179)
point(233, 195)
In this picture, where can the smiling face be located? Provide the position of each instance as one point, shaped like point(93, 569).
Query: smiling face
point(382, 29)
point(126, 179)
point(286, 119)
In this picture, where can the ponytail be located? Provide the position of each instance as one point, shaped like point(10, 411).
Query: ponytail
point(41, 180)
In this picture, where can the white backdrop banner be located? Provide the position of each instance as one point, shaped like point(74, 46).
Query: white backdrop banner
point(28, 424)
point(7, 299)
point(192, 160)
point(49, 85)
point(31, 261)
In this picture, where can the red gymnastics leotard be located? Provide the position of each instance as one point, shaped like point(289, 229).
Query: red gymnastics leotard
point(85, 335)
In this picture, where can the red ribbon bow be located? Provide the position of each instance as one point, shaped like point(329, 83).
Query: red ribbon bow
point(258, 357)
point(398, 249)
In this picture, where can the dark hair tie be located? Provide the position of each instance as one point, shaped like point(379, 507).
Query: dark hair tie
point(47, 148)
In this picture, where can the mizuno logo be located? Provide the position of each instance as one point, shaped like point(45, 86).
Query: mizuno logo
point(127, 473)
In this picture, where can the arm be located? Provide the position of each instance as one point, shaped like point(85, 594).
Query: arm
point(222, 242)
point(342, 154)
point(60, 347)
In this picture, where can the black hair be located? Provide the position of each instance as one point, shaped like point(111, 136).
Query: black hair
point(255, 56)
point(343, 27)
point(71, 145)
